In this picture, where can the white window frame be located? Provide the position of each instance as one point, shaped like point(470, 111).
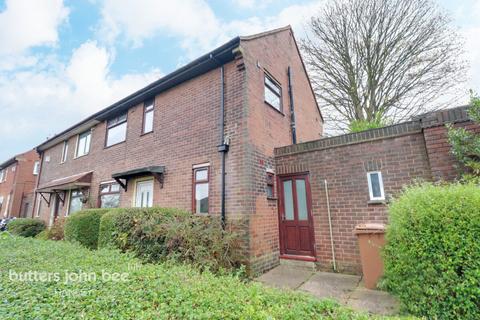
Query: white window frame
point(78, 144)
point(65, 151)
point(3, 175)
point(36, 168)
point(116, 122)
point(273, 88)
point(143, 180)
point(370, 187)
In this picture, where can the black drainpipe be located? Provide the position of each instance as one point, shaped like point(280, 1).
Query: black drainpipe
point(292, 109)
point(224, 144)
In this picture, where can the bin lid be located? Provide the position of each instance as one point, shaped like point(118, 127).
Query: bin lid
point(369, 228)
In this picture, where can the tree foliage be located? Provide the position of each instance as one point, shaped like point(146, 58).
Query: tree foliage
point(371, 59)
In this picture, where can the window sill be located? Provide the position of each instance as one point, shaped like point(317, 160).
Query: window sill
point(377, 201)
point(83, 155)
point(279, 111)
point(146, 133)
point(113, 145)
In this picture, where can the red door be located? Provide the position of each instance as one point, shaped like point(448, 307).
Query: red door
point(295, 214)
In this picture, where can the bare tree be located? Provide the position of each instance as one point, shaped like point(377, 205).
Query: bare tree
point(377, 60)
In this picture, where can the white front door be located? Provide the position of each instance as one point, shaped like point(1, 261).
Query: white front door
point(144, 194)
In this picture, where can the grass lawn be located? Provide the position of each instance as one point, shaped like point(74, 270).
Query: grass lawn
point(164, 291)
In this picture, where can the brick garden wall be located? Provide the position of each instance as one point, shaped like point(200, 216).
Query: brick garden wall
point(417, 150)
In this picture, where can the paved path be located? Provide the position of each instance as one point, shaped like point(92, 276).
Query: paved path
point(346, 289)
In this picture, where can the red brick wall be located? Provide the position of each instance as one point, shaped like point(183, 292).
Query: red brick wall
point(19, 184)
point(400, 159)
point(403, 153)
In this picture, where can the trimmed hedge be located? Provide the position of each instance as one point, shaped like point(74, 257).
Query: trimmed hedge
point(160, 234)
point(83, 227)
point(432, 256)
point(26, 227)
point(165, 291)
point(56, 231)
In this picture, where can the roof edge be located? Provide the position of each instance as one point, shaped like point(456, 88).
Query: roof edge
point(215, 58)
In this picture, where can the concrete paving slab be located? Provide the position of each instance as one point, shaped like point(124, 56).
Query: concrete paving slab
point(373, 301)
point(331, 285)
point(285, 276)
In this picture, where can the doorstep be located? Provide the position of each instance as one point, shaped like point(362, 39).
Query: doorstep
point(298, 262)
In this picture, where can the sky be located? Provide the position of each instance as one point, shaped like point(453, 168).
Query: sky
point(62, 60)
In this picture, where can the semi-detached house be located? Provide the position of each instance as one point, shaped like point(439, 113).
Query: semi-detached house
point(201, 138)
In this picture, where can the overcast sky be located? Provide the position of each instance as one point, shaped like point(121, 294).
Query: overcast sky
point(63, 60)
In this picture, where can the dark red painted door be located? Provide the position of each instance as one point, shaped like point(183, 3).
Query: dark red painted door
point(295, 213)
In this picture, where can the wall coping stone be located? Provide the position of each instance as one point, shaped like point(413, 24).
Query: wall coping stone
point(418, 123)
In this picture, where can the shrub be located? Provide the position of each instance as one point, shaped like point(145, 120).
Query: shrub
point(83, 227)
point(432, 256)
point(160, 234)
point(42, 235)
point(26, 227)
point(466, 144)
point(165, 291)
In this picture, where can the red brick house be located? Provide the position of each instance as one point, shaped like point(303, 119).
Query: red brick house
point(17, 184)
point(201, 138)
point(238, 133)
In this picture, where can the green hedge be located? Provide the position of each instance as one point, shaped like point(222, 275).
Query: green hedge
point(164, 291)
point(432, 256)
point(26, 227)
point(55, 232)
point(83, 227)
point(159, 234)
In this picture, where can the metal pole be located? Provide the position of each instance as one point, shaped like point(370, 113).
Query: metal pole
point(330, 226)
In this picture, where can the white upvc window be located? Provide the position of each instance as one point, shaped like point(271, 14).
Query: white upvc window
point(83, 143)
point(375, 186)
point(64, 151)
point(36, 167)
point(3, 175)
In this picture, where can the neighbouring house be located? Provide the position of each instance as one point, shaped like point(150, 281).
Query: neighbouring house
point(17, 184)
point(237, 133)
point(201, 138)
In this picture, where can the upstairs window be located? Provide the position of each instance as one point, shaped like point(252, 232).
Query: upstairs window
point(36, 167)
point(64, 152)
point(375, 186)
point(110, 195)
point(148, 110)
point(116, 130)
point(273, 93)
point(200, 190)
point(83, 145)
point(3, 175)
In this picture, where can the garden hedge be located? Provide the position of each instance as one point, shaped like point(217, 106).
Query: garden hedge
point(159, 234)
point(165, 291)
point(83, 227)
point(432, 256)
point(26, 227)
